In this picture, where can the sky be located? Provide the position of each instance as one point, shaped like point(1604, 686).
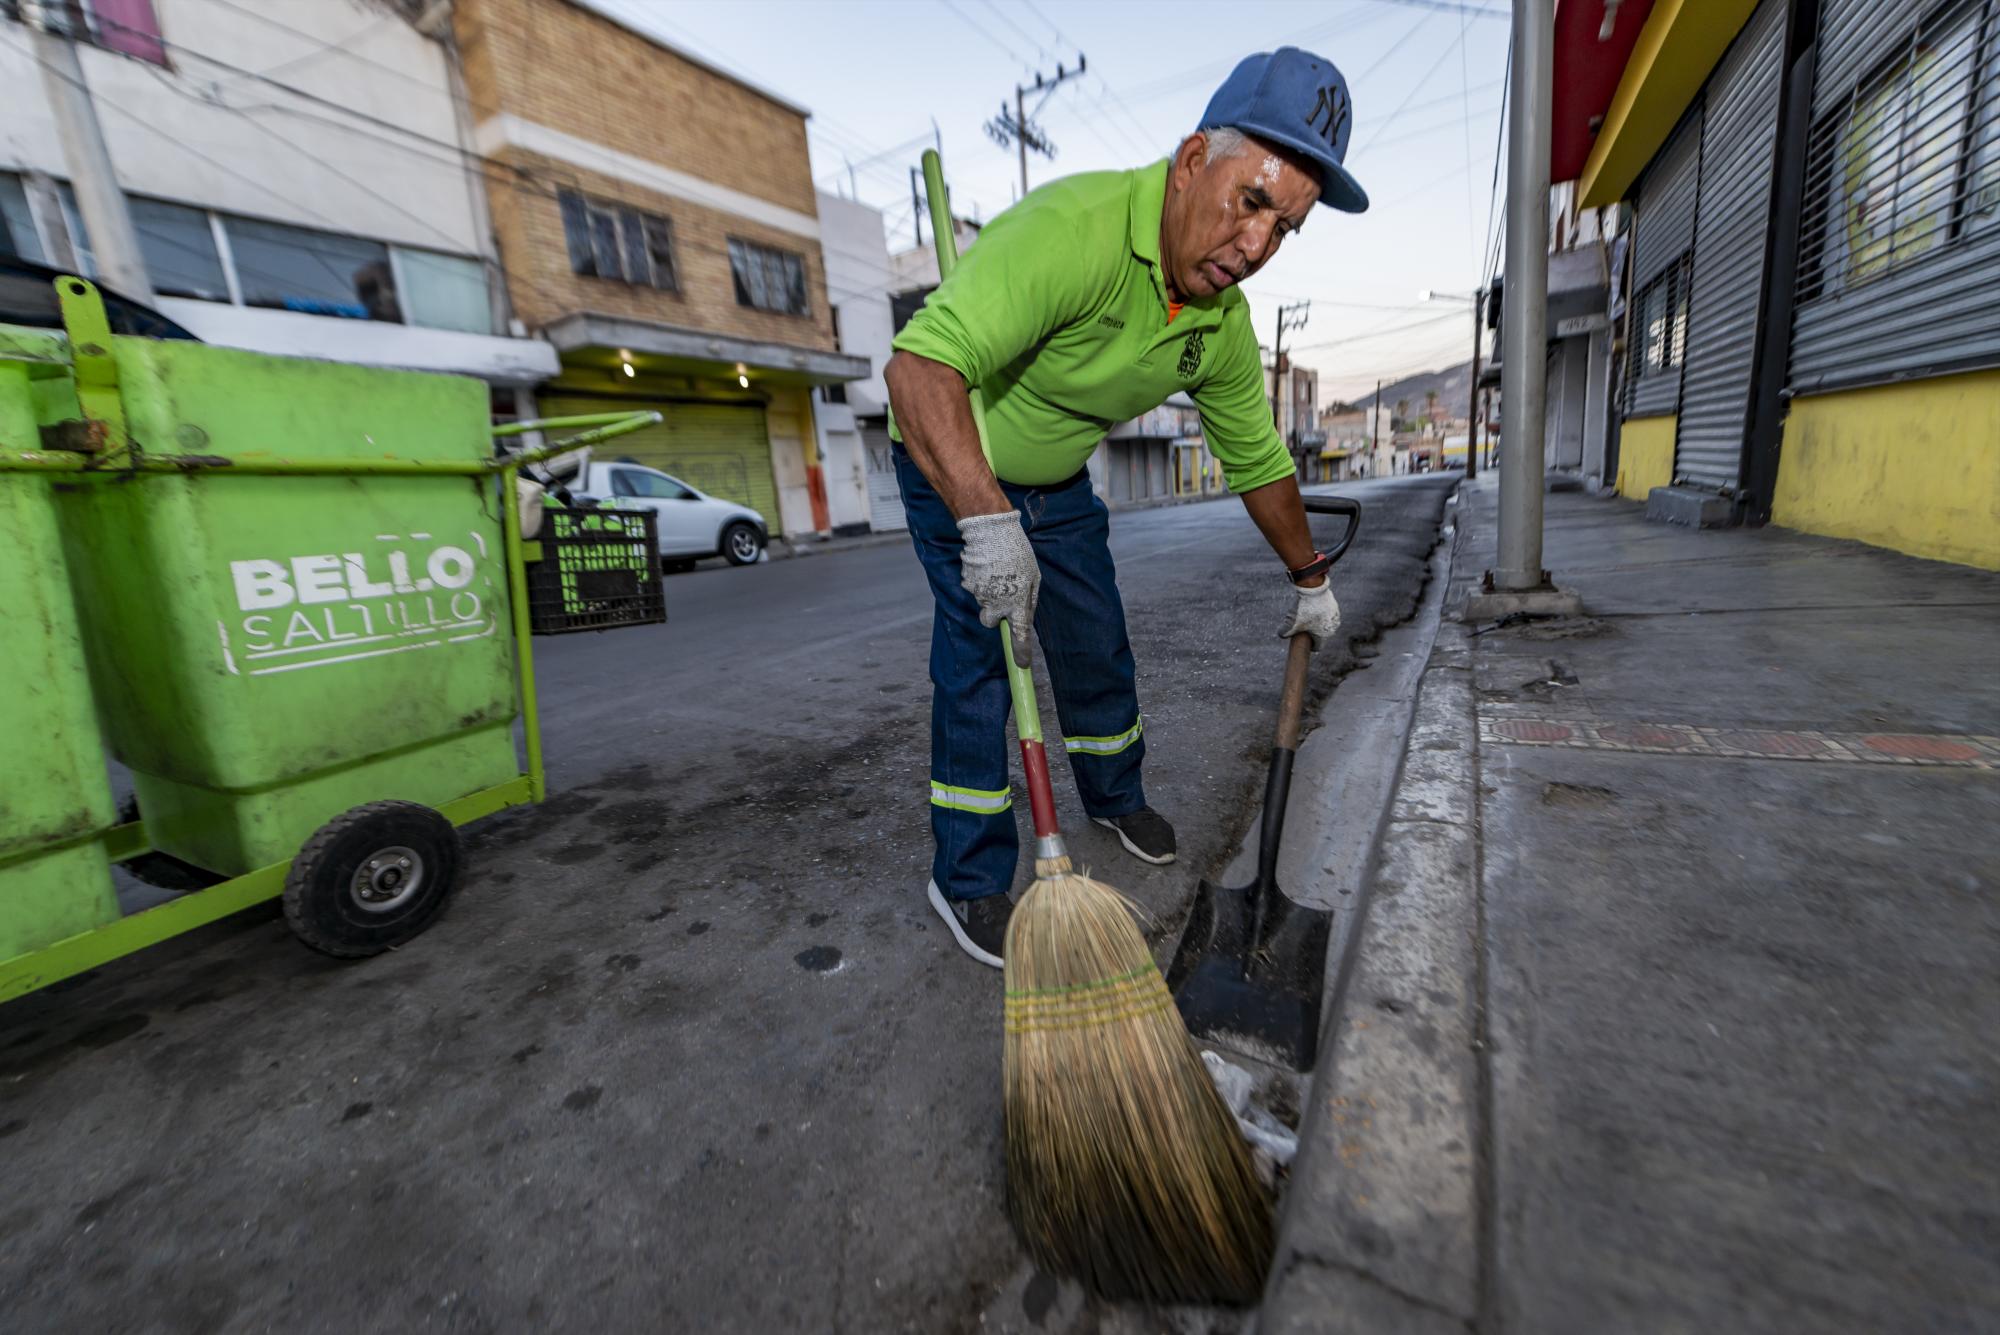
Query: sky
point(884, 77)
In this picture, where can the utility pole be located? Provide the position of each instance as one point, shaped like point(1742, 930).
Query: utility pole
point(1375, 444)
point(1517, 582)
point(1285, 321)
point(114, 242)
point(1523, 374)
point(916, 208)
point(1472, 391)
point(1017, 126)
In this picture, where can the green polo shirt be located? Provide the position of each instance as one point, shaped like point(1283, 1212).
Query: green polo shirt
point(1059, 315)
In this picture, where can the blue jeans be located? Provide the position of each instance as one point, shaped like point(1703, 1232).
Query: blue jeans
point(1080, 622)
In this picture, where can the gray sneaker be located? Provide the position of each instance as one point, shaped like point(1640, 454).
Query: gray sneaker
point(978, 925)
point(1145, 834)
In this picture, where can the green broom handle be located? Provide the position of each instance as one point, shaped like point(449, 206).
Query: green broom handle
point(1020, 680)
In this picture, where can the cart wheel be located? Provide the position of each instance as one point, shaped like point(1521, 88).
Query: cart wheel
point(371, 878)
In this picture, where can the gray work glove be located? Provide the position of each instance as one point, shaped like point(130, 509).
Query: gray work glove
point(998, 569)
point(1317, 615)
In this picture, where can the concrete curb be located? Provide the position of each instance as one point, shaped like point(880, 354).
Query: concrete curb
point(784, 549)
point(1382, 1226)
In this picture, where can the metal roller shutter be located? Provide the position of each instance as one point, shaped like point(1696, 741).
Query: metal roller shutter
point(1899, 261)
point(719, 448)
point(1662, 233)
point(885, 494)
point(1732, 217)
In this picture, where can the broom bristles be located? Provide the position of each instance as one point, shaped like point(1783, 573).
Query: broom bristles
point(1124, 1166)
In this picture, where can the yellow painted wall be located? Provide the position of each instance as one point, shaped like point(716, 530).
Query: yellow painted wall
point(1914, 467)
point(1645, 455)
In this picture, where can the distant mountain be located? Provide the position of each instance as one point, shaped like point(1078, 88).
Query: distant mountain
point(1452, 385)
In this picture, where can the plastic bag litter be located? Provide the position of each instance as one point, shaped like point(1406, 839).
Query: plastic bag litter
point(1261, 1129)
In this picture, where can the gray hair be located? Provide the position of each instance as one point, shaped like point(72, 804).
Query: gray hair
point(1224, 141)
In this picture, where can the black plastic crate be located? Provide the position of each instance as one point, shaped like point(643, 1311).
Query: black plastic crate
point(600, 569)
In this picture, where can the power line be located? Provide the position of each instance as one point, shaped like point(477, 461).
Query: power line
point(464, 155)
point(1008, 19)
point(1379, 333)
point(998, 45)
point(1443, 55)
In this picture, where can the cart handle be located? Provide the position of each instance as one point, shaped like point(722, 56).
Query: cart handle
point(603, 427)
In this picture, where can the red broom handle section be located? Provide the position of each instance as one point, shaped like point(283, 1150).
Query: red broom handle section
point(1041, 795)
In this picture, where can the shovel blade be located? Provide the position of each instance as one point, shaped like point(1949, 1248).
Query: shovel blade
point(1271, 1009)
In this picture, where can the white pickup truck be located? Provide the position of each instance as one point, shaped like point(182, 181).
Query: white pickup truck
point(691, 523)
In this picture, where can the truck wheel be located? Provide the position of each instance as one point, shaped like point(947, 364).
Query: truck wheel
point(742, 544)
point(371, 878)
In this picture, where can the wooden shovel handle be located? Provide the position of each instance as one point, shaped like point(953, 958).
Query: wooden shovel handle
point(1293, 700)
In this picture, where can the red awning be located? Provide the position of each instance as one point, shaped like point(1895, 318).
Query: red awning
point(1587, 70)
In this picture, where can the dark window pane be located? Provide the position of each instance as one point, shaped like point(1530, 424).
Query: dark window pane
point(179, 248)
point(767, 279)
point(655, 487)
point(295, 269)
point(638, 269)
point(576, 231)
point(660, 244)
point(604, 242)
point(797, 268)
point(17, 224)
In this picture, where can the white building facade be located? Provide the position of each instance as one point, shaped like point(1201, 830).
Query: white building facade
point(296, 173)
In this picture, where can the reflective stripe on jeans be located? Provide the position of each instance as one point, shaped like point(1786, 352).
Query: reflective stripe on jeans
point(1105, 746)
point(979, 801)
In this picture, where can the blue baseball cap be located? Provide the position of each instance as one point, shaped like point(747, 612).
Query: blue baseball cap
point(1294, 99)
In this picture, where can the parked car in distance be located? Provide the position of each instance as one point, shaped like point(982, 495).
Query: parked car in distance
point(692, 524)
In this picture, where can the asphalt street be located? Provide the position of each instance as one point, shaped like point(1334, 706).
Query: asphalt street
point(689, 1050)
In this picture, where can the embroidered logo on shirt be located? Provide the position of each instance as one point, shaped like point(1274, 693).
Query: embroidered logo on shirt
point(1114, 322)
point(1190, 356)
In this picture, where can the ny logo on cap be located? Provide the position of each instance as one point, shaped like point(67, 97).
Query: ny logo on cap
point(1333, 101)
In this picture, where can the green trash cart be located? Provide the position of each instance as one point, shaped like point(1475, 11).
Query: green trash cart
point(297, 588)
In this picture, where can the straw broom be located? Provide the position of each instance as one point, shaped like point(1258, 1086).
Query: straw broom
point(1124, 1166)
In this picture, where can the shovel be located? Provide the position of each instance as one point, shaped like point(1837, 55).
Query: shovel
point(1251, 968)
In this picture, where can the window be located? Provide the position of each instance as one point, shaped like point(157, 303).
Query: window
point(18, 237)
point(767, 279)
point(1660, 315)
point(619, 243)
point(318, 273)
point(179, 248)
point(1910, 162)
point(652, 486)
point(444, 291)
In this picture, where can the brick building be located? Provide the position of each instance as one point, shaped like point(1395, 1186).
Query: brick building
point(657, 223)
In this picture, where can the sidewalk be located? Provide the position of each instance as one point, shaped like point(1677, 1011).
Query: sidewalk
point(1676, 1006)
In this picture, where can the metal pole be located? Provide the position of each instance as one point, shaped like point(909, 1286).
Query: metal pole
point(1375, 444)
point(1525, 311)
point(1472, 393)
point(1278, 371)
point(916, 208)
point(1021, 134)
point(114, 242)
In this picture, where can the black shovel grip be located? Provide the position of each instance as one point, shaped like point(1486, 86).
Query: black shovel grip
point(1337, 505)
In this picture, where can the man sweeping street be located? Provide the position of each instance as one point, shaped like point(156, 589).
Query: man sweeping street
point(1086, 304)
